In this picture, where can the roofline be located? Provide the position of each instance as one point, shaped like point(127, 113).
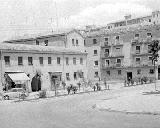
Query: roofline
point(32, 39)
point(42, 52)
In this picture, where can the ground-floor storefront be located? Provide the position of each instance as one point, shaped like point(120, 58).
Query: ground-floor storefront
point(126, 73)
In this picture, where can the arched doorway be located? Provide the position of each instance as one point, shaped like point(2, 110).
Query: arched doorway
point(36, 83)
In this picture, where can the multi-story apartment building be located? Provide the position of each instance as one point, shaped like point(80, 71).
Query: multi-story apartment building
point(154, 18)
point(116, 51)
point(126, 52)
point(55, 64)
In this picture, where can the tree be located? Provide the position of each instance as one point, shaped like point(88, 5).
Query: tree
point(154, 48)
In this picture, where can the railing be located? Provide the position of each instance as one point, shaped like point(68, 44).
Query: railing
point(118, 65)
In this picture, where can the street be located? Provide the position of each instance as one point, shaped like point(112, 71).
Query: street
point(73, 111)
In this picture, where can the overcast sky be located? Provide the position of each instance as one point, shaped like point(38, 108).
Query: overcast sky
point(19, 17)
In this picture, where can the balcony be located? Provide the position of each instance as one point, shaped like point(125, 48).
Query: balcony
point(138, 53)
point(105, 44)
point(118, 65)
point(106, 54)
point(137, 41)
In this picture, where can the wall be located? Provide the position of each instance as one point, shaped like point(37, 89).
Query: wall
point(45, 68)
point(76, 36)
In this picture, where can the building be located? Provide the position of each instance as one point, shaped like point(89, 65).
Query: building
point(125, 53)
point(154, 18)
point(53, 64)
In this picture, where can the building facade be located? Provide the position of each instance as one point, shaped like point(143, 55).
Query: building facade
point(54, 64)
point(126, 55)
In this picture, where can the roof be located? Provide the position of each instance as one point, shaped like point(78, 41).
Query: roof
point(7, 47)
point(80, 32)
point(123, 29)
point(32, 37)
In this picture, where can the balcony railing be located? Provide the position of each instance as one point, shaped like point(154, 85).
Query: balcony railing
point(118, 64)
point(106, 54)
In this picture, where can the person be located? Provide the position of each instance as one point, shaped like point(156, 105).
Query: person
point(68, 90)
point(94, 87)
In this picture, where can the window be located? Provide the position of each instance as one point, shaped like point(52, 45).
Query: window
point(149, 48)
point(30, 61)
point(67, 61)
point(76, 42)
point(75, 75)
point(119, 72)
point(37, 42)
point(7, 60)
point(108, 73)
point(96, 63)
point(119, 61)
point(138, 60)
point(67, 76)
point(95, 52)
point(149, 34)
point(138, 71)
point(136, 35)
point(117, 38)
point(138, 49)
point(107, 62)
point(46, 42)
point(58, 60)
point(40, 60)
point(151, 71)
point(74, 61)
point(106, 51)
point(96, 74)
point(20, 60)
point(94, 41)
point(49, 60)
point(106, 39)
point(81, 61)
point(73, 42)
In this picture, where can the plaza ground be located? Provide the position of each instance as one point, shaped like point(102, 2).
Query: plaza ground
point(80, 111)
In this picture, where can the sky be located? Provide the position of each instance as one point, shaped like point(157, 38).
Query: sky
point(26, 17)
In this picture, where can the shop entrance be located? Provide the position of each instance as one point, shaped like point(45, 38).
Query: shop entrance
point(55, 78)
point(129, 75)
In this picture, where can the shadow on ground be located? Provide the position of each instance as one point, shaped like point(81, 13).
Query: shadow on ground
point(151, 93)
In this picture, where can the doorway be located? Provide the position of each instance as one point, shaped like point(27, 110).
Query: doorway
point(55, 78)
point(158, 72)
point(129, 75)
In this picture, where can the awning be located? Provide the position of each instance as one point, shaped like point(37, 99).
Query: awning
point(18, 77)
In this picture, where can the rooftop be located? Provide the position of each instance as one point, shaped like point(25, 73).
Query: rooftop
point(38, 49)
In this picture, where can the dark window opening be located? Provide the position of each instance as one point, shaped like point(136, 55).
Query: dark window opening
point(20, 61)
point(41, 60)
point(119, 72)
point(138, 71)
point(151, 71)
point(108, 73)
point(7, 60)
point(67, 61)
point(58, 60)
point(46, 42)
point(37, 42)
point(94, 41)
point(30, 61)
point(49, 60)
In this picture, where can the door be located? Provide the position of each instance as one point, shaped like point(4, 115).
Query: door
point(54, 80)
point(129, 75)
point(158, 72)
